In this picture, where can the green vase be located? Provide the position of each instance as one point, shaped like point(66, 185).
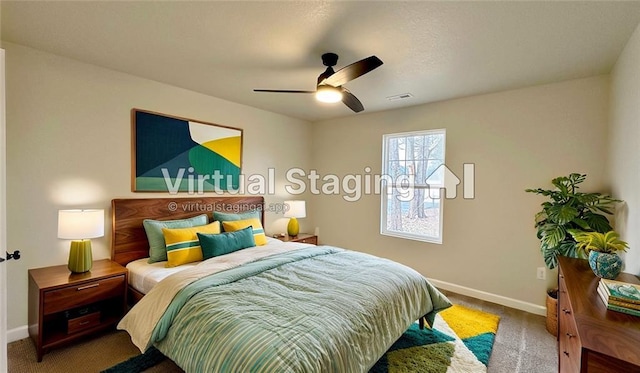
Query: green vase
point(605, 265)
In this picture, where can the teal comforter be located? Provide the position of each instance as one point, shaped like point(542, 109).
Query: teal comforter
point(317, 309)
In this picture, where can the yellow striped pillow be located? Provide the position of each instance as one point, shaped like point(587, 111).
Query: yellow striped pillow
point(258, 231)
point(183, 245)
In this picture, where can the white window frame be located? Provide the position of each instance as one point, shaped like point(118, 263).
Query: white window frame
point(388, 183)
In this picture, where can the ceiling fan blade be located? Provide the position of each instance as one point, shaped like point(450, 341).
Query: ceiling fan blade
point(351, 101)
point(282, 91)
point(356, 69)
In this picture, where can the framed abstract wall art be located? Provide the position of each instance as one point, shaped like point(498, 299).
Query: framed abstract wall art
point(173, 154)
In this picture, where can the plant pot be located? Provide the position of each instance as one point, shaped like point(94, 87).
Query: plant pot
point(552, 312)
point(605, 265)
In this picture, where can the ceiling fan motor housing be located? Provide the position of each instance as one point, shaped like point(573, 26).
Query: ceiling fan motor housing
point(329, 59)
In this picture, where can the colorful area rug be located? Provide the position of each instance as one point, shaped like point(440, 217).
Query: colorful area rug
point(461, 340)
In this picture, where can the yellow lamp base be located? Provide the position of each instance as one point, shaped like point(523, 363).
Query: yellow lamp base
point(293, 228)
point(80, 257)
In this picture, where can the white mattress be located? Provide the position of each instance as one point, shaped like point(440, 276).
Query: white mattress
point(144, 276)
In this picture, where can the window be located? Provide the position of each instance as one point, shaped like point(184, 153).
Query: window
point(413, 169)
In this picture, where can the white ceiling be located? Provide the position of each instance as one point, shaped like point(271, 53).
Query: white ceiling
point(433, 50)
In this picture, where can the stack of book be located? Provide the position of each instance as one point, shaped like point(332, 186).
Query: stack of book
point(620, 296)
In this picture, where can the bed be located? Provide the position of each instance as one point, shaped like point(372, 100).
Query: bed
point(277, 307)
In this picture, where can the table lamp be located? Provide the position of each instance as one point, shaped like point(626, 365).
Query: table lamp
point(296, 210)
point(79, 226)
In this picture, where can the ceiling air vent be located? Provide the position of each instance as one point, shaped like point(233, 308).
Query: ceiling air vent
point(402, 96)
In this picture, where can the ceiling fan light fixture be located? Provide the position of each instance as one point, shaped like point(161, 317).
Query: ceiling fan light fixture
point(330, 84)
point(328, 94)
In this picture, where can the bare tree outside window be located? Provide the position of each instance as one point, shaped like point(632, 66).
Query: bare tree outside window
point(411, 206)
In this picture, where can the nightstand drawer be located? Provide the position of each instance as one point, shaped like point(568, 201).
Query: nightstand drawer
point(81, 323)
point(78, 295)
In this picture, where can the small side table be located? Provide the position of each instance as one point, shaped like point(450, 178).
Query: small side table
point(65, 306)
point(301, 237)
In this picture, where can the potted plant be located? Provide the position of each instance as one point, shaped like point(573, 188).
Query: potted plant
point(567, 209)
point(602, 250)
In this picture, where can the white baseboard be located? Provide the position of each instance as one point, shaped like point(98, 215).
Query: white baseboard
point(17, 334)
point(489, 297)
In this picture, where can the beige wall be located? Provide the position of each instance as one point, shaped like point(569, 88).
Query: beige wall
point(68, 132)
point(69, 146)
point(624, 147)
point(517, 139)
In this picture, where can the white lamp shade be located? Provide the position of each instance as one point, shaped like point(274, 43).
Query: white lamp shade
point(296, 209)
point(80, 224)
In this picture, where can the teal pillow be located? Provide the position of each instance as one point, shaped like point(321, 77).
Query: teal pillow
point(157, 246)
point(225, 243)
point(225, 216)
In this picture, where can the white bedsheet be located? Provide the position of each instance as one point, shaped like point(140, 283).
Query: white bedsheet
point(144, 276)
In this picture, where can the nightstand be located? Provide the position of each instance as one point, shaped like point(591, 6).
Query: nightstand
point(301, 237)
point(65, 306)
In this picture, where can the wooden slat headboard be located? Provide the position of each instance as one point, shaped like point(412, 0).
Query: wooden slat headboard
point(128, 237)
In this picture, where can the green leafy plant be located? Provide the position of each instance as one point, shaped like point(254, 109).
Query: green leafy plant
point(567, 209)
point(608, 242)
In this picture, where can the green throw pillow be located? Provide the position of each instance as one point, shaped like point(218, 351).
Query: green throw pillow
point(225, 243)
point(157, 245)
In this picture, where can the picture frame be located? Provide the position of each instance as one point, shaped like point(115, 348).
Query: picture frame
point(174, 154)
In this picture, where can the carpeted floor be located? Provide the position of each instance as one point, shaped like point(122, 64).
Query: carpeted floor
point(522, 345)
point(90, 356)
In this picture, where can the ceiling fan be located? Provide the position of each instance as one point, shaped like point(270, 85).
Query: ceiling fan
point(330, 83)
